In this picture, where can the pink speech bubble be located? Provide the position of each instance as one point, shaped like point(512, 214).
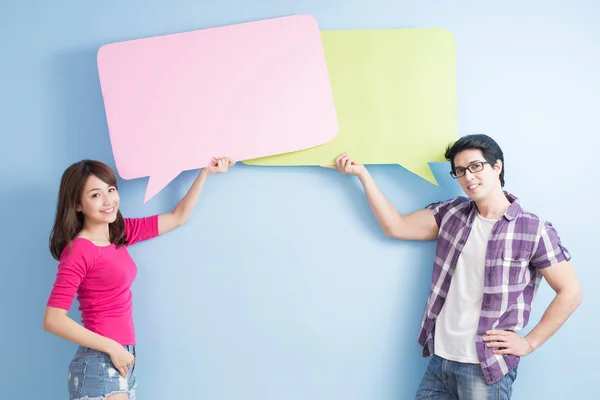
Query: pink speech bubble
point(242, 91)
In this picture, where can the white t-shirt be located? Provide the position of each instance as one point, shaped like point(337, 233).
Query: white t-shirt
point(456, 325)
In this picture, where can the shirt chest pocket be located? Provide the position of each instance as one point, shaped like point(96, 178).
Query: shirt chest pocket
point(515, 263)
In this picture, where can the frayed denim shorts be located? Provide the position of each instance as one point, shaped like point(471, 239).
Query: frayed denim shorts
point(92, 376)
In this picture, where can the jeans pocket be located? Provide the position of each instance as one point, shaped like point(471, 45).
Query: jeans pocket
point(505, 389)
point(76, 378)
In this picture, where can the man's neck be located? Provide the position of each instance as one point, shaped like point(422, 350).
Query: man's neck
point(494, 206)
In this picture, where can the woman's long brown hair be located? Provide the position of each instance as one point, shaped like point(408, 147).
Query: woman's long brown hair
point(68, 221)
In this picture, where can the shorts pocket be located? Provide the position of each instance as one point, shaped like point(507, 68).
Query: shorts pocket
point(76, 378)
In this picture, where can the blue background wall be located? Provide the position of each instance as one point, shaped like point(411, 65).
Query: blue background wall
point(282, 286)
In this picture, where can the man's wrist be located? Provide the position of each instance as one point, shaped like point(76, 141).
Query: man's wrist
point(363, 175)
point(533, 344)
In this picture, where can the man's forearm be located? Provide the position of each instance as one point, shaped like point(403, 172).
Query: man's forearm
point(386, 214)
point(557, 313)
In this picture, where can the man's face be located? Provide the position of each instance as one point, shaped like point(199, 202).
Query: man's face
point(479, 184)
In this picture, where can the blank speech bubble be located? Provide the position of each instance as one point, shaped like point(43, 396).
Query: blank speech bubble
point(242, 91)
point(395, 97)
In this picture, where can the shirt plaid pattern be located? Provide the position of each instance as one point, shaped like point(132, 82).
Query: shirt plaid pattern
point(519, 246)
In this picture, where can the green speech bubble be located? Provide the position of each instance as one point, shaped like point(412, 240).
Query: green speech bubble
point(395, 99)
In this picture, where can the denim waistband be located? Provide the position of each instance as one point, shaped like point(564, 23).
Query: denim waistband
point(82, 349)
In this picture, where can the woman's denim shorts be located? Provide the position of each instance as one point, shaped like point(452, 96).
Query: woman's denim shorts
point(92, 376)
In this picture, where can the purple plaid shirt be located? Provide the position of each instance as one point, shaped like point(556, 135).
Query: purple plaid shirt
point(519, 246)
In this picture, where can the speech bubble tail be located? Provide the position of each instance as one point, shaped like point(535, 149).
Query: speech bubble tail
point(158, 182)
point(423, 170)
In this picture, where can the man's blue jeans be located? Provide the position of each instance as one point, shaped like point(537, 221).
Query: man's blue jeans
point(450, 380)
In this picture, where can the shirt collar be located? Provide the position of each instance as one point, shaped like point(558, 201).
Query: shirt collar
point(512, 211)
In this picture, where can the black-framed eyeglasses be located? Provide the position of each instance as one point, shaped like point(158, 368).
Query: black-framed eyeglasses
point(459, 172)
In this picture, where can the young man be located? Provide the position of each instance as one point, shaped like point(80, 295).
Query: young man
point(491, 255)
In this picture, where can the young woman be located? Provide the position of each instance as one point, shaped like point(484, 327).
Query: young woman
point(90, 239)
